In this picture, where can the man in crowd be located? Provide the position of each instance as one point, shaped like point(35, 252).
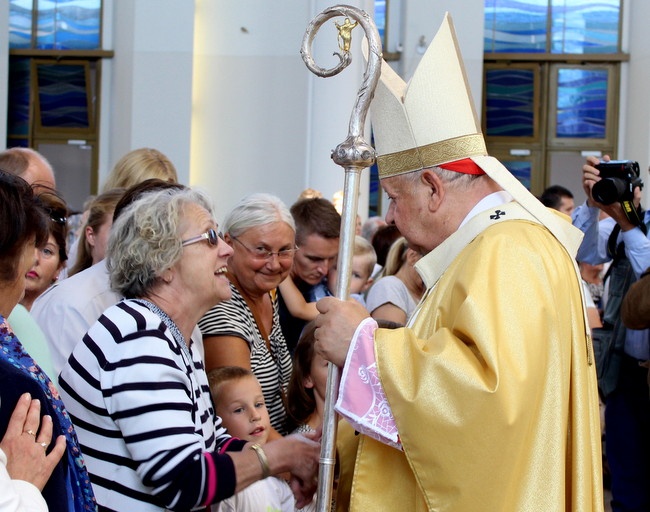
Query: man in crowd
point(558, 198)
point(622, 353)
point(487, 400)
point(30, 165)
point(317, 236)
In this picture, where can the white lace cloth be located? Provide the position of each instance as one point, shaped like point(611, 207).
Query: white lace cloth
point(362, 401)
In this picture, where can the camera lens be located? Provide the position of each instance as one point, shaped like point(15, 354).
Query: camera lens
point(609, 190)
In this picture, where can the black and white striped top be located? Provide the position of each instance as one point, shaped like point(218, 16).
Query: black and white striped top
point(273, 370)
point(140, 402)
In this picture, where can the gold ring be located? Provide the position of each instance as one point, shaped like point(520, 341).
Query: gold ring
point(44, 445)
point(30, 432)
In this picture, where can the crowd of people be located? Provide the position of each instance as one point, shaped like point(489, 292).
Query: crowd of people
point(155, 360)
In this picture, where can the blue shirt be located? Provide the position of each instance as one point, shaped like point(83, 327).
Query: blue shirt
point(593, 250)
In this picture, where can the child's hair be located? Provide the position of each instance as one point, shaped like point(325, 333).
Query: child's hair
point(219, 376)
point(364, 248)
point(301, 402)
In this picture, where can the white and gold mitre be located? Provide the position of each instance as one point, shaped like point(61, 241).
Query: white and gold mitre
point(431, 119)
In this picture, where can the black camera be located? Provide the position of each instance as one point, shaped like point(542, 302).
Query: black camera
point(619, 178)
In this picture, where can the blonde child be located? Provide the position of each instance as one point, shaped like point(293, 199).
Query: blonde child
point(363, 263)
point(239, 402)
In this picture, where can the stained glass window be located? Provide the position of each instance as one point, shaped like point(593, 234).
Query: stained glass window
point(581, 103)
point(584, 26)
point(19, 87)
point(60, 24)
point(509, 101)
point(576, 26)
point(63, 95)
point(517, 26)
point(520, 169)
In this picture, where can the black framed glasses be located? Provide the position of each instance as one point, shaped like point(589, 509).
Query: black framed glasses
point(210, 235)
point(262, 253)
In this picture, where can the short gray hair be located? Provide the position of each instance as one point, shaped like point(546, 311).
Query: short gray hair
point(257, 210)
point(144, 239)
point(447, 176)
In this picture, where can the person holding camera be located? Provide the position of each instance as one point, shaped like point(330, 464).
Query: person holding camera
point(621, 353)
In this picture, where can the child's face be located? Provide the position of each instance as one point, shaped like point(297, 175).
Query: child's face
point(358, 278)
point(243, 411)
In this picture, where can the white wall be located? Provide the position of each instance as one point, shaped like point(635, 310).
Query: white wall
point(147, 86)
point(635, 92)
point(261, 120)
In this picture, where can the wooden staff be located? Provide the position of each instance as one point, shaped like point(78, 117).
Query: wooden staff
point(354, 154)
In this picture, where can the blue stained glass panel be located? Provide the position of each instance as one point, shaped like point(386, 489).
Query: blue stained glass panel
point(520, 169)
point(18, 112)
point(510, 102)
point(62, 96)
point(68, 24)
point(20, 23)
point(581, 103)
point(515, 26)
point(585, 26)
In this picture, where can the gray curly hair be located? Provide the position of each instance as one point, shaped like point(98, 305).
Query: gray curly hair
point(144, 239)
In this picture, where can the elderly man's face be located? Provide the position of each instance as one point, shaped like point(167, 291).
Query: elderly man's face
point(409, 211)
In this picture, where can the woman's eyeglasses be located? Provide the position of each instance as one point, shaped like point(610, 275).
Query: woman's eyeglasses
point(261, 253)
point(58, 216)
point(210, 235)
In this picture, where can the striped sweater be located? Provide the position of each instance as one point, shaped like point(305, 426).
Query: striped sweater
point(273, 370)
point(141, 405)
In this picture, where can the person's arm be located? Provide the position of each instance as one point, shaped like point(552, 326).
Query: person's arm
point(296, 303)
point(226, 351)
point(297, 454)
point(635, 310)
point(389, 312)
point(637, 249)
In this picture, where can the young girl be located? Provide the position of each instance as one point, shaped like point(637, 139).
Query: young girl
point(307, 386)
point(239, 401)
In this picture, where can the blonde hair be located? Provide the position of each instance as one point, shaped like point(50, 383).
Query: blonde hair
point(364, 248)
point(396, 257)
point(139, 165)
point(219, 376)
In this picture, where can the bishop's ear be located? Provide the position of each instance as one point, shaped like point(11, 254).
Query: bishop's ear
point(435, 189)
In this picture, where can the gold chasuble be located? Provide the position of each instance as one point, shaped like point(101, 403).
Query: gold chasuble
point(491, 384)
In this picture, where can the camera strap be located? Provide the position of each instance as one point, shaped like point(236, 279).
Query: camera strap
point(634, 215)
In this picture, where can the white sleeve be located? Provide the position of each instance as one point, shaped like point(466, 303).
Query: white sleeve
point(18, 495)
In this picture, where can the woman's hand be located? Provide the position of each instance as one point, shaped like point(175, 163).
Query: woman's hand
point(298, 454)
point(25, 445)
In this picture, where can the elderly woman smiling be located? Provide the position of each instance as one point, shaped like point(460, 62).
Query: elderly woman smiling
point(245, 331)
point(137, 387)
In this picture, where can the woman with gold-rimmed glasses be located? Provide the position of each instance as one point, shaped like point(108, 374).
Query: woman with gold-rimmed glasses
point(245, 331)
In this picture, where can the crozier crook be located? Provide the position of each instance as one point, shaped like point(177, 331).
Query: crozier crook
point(354, 154)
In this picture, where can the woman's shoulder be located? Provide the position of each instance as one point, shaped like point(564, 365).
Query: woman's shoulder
point(386, 283)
